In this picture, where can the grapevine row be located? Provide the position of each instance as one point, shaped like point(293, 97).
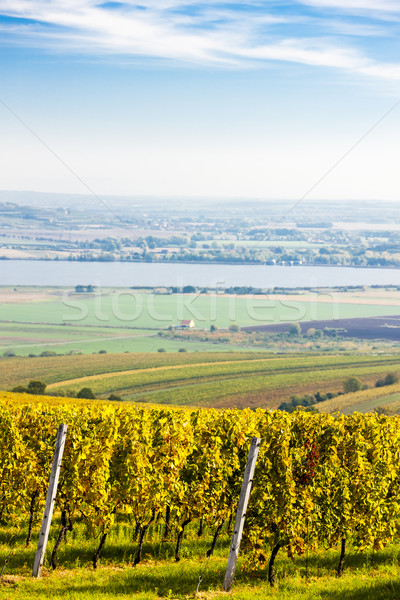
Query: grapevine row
point(320, 479)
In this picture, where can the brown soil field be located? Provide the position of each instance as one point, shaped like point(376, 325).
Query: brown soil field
point(370, 328)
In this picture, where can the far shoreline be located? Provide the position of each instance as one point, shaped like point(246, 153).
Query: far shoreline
point(200, 262)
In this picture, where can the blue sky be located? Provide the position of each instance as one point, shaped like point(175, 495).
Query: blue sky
point(173, 98)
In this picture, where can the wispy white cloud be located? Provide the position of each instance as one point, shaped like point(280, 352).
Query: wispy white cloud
point(373, 7)
point(204, 32)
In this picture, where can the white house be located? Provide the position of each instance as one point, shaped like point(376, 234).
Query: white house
point(186, 324)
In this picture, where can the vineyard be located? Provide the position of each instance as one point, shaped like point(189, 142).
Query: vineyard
point(321, 481)
point(217, 380)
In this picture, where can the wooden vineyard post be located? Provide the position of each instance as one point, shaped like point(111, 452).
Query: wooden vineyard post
point(50, 498)
point(241, 513)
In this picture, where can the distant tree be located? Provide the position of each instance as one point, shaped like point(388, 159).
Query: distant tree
point(182, 350)
point(161, 350)
point(36, 387)
point(294, 329)
point(86, 393)
point(79, 289)
point(114, 397)
point(102, 351)
point(189, 289)
point(352, 384)
point(234, 328)
point(90, 289)
point(315, 333)
point(214, 327)
point(391, 378)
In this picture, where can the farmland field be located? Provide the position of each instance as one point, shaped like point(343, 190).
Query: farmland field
point(364, 400)
point(144, 310)
point(211, 380)
point(34, 320)
point(26, 338)
point(53, 369)
point(382, 327)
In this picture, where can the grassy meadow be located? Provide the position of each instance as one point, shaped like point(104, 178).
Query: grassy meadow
point(34, 320)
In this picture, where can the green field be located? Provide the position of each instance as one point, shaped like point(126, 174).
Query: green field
point(143, 311)
point(364, 400)
point(125, 320)
point(25, 338)
point(198, 379)
point(52, 369)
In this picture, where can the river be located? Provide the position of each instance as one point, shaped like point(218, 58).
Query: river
point(130, 274)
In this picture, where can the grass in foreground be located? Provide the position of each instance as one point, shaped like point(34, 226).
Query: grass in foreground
point(368, 576)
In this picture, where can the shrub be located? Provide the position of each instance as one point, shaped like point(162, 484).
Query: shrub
point(36, 387)
point(86, 393)
point(390, 379)
point(115, 397)
point(294, 329)
point(234, 328)
point(352, 384)
point(20, 389)
point(214, 327)
point(161, 350)
point(182, 350)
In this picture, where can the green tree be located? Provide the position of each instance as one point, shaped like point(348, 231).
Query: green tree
point(391, 378)
point(294, 329)
point(352, 384)
point(36, 387)
point(86, 393)
point(234, 328)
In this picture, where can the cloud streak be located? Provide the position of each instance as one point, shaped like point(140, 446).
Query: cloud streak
point(225, 33)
